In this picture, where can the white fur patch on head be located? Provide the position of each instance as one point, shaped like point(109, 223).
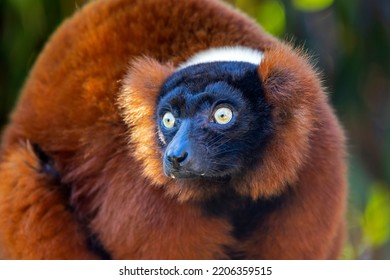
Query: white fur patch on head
point(225, 54)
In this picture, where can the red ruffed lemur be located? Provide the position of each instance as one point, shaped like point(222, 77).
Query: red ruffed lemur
point(175, 129)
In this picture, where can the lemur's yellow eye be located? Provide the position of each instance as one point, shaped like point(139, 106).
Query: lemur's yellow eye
point(168, 120)
point(223, 115)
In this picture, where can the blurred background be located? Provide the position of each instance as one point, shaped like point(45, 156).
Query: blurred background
point(349, 41)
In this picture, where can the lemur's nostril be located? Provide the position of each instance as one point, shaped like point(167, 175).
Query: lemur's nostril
point(177, 159)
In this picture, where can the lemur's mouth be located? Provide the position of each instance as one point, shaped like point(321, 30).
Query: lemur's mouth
point(176, 171)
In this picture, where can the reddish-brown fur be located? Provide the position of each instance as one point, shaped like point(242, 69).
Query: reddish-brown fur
point(93, 113)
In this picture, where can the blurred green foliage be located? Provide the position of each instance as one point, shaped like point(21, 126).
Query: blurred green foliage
point(25, 26)
point(312, 5)
point(349, 41)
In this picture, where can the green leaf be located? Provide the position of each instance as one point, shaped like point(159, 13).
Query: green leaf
point(376, 218)
point(271, 16)
point(312, 5)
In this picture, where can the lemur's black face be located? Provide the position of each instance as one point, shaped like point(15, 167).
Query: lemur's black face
point(212, 120)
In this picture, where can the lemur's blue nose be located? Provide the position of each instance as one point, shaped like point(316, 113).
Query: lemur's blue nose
point(178, 151)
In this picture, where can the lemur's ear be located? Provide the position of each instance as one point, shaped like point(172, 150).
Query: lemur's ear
point(289, 83)
point(293, 91)
point(140, 87)
point(137, 102)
